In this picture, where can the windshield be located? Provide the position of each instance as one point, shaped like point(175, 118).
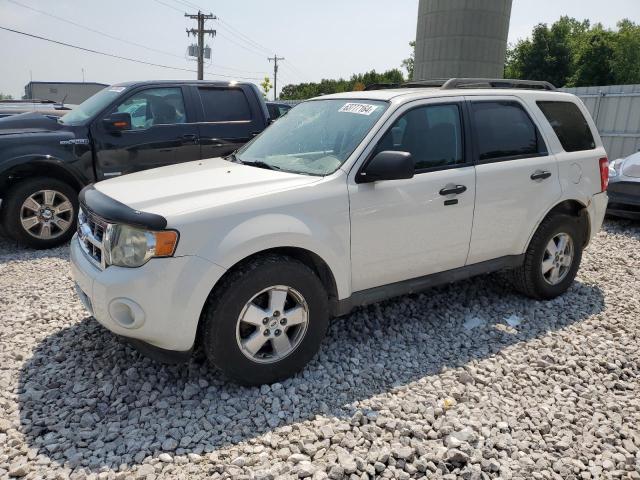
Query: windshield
point(91, 106)
point(315, 137)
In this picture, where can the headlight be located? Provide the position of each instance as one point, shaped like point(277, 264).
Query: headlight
point(615, 167)
point(127, 246)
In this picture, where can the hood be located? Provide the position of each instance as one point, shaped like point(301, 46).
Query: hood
point(30, 122)
point(202, 184)
point(631, 166)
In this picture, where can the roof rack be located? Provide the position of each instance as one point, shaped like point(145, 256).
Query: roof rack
point(452, 83)
point(496, 83)
point(381, 86)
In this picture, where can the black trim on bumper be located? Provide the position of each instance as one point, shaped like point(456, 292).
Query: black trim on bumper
point(158, 354)
point(114, 211)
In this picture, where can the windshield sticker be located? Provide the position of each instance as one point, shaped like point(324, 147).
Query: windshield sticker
point(117, 89)
point(359, 108)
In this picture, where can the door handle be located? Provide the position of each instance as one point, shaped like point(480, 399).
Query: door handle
point(540, 175)
point(457, 190)
point(189, 137)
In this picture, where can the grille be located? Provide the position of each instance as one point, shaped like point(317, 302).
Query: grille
point(91, 229)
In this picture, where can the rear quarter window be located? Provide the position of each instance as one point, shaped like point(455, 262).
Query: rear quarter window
point(224, 105)
point(569, 124)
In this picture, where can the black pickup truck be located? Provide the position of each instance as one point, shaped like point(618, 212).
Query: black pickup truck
point(45, 162)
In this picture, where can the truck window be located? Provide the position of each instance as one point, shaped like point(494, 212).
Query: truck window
point(504, 131)
point(154, 106)
point(569, 124)
point(224, 104)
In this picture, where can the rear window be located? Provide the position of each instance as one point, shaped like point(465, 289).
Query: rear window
point(569, 124)
point(504, 131)
point(224, 105)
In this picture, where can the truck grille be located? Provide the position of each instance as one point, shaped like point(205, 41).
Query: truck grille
point(91, 230)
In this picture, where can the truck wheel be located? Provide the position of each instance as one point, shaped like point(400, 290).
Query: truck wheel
point(265, 321)
point(552, 259)
point(40, 212)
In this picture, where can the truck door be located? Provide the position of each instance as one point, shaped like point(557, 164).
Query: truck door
point(161, 133)
point(229, 119)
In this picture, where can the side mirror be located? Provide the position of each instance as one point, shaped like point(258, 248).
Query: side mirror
point(117, 122)
point(387, 165)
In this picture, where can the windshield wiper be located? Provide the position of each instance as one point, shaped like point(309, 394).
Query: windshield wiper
point(261, 164)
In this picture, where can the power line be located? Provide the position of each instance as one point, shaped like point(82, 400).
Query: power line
point(169, 6)
point(85, 27)
point(97, 52)
point(246, 38)
point(113, 37)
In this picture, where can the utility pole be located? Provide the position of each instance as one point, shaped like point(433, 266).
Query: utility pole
point(275, 59)
point(199, 34)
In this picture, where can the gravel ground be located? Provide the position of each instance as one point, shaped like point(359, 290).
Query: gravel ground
point(465, 381)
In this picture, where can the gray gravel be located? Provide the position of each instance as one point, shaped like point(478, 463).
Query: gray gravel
point(466, 381)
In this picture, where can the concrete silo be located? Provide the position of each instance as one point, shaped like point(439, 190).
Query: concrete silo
point(461, 38)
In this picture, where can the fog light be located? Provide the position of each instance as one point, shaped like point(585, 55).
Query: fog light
point(126, 313)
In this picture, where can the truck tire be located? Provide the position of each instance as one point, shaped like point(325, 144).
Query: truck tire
point(265, 321)
point(40, 212)
point(552, 259)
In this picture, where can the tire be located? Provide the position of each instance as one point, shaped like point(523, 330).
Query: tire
point(529, 278)
point(18, 212)
point(232, 320)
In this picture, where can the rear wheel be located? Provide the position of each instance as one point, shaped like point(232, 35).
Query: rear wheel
point(266, 320)
point(552, 259)
point(40, 212)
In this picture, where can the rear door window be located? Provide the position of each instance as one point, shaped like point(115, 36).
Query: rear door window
point(504, 131)
point(569, 124)
point(224, 104)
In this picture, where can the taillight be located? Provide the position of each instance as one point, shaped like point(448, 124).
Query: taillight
point(604, 173)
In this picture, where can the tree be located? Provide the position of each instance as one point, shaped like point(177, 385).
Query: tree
point(626, 59)
point(408, 63)
point(594, 59)
point(4, 96)
point(359, 81)
point(266, 86)
point(548, 54)
point(575, 53)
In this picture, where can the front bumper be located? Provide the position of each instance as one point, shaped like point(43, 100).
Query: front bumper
point(158, 304)
point(624, 199)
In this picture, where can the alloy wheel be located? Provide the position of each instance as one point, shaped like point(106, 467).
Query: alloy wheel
point(557, 258)
point(272, 324)
point(46, 214)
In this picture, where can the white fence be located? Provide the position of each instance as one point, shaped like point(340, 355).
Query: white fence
point(616, 111)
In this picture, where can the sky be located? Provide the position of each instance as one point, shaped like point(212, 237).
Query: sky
point(318, 39)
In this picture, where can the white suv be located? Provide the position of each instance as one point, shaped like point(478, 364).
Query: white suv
point(348, 199)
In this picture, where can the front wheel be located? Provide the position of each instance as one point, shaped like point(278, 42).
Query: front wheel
point(552, 259)
point(40, 212)
point(266, 320)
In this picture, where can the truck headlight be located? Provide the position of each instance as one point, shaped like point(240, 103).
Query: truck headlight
point(127, 246)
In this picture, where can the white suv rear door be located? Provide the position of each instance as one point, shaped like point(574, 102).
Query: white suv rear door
point(404, 229)
point(516, 177)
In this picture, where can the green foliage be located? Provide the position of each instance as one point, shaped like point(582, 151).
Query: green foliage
point(574, 53)
point(266, 86)
point(303, 91)
point(408, 63)
point(5, 96)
